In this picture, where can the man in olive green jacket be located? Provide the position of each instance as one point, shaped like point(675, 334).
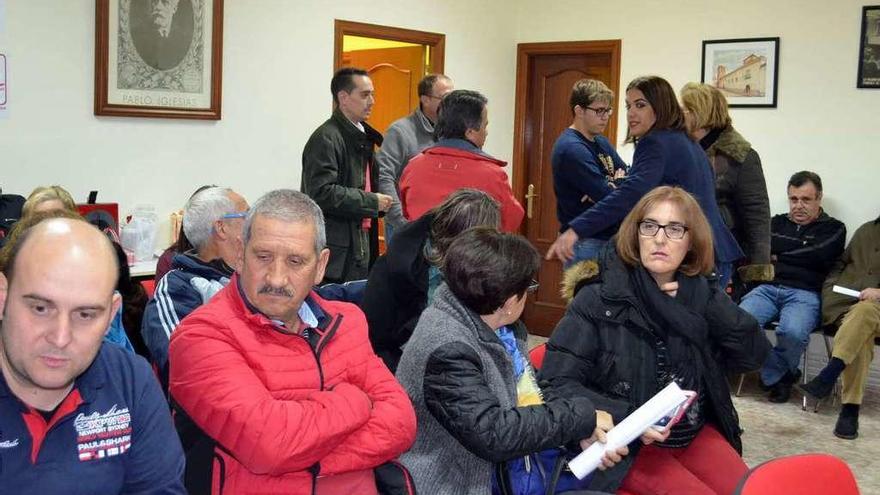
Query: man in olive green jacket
point(858, 322)
point(339, 174)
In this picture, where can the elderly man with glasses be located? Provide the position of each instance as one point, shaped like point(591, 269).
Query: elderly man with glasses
point(585, 167)
point(212, 221)
point(406, 138)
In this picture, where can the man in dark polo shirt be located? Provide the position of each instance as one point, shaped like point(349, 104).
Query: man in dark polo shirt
point(76, 416)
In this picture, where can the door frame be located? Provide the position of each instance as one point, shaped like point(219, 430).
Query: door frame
point(436, 41)
point(525, 52)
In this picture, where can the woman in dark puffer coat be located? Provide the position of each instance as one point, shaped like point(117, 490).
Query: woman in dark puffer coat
point(651, 316)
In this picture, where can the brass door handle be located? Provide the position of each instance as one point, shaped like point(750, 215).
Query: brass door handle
point(530, 199)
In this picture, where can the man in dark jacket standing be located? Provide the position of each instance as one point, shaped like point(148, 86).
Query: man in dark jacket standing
point(339, 174)
point(804, 244)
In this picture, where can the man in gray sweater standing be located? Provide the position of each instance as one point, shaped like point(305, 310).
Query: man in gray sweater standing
point(405, 138)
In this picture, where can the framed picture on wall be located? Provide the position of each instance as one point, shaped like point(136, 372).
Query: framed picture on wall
point(869, 48)
point(159, 58)
point(745, 70)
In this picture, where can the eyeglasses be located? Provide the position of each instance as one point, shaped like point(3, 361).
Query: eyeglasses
point(230, 216)
point(533, 286)
point(436, 97)
point(601, 112)
point(674, 231)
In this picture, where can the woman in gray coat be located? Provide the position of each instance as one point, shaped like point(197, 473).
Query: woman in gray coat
point(467, 372)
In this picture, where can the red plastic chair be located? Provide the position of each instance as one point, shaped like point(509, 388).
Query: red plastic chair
point(807, 474)
point(536, 355)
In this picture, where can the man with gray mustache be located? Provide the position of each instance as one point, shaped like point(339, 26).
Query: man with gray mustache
point(283, 379)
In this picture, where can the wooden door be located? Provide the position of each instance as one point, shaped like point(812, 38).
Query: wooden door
point(546, 73)
point(395, 73)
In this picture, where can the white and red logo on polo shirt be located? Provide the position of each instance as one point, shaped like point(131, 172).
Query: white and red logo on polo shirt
point(103, 435)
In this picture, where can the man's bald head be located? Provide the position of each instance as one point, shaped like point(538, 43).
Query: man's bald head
point(64, 240)
point(57, 307)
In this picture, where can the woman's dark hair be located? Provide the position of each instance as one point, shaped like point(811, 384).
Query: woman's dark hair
point(484, 268)
point(461, 110)
point(661, 97)
point(463, 209)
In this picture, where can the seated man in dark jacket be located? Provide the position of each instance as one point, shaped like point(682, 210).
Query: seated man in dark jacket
point(403, 280)
point(803, 245)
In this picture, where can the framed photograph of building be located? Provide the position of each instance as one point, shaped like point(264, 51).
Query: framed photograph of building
point(869, 48)
point(745, 70)
point(159, 58)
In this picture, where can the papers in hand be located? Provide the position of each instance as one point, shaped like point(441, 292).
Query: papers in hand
point(662, 404)
point(846, 292)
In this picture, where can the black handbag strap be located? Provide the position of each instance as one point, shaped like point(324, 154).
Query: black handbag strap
point(557, 472)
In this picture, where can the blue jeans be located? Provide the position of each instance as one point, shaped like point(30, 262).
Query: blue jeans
point(798, 312)
point(586, 249)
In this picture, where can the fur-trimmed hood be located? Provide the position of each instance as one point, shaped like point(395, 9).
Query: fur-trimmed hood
point(576, 276)
point(732, 144)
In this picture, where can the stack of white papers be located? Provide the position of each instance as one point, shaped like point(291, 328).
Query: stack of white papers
point(629, 429)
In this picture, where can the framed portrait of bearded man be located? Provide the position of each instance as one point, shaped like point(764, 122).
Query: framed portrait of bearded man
point(159, 58)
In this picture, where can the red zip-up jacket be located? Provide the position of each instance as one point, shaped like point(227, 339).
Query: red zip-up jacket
point(287, 414)
point(437, 172)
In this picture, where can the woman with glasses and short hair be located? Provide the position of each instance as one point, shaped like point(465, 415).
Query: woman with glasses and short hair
point(664, 155)
point(648, 317)
point(467, 371)
point(740, 189)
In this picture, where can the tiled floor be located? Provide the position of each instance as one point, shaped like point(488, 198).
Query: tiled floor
point(775, 430)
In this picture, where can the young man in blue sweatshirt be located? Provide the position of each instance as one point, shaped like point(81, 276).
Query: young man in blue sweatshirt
point(585, 167)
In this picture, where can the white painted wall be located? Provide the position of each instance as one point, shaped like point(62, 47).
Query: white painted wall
point(822, 122)
point(277, 63)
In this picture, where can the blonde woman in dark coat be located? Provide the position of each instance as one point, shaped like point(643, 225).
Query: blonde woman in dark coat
point(740, 189)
